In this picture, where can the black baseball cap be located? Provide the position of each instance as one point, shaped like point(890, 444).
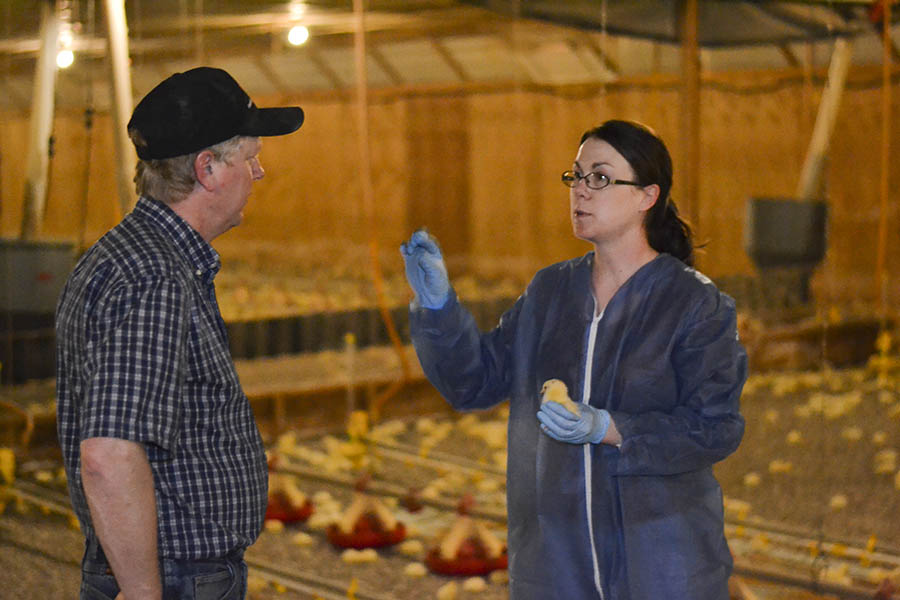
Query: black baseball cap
point(199, 108)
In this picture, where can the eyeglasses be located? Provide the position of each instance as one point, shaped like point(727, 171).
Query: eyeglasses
point(595, 181)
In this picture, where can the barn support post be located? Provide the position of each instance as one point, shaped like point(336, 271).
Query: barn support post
point(811, 175)
point(122, 100)
point(38, 163)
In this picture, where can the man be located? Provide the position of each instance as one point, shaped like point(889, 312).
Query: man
point(166, 468)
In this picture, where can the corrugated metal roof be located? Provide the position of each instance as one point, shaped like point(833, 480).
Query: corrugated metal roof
point(423, 42)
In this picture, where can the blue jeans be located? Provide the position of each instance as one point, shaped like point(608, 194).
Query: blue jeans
point(208, 579)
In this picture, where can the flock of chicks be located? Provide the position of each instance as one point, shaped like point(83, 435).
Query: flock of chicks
point(820, 454)
point(467, 548)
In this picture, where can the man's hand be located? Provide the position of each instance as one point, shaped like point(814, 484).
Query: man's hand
point(588, 426)
point(118, 484)
point(425, 269)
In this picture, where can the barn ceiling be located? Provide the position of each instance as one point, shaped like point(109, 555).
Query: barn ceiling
point(423, 43)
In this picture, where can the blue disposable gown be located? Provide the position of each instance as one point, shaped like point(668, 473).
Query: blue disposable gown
point(668, 365)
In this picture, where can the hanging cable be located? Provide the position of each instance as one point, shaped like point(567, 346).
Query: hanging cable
point(368, 197)
point(880, 269)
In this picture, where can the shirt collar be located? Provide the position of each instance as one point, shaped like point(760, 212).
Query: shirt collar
point(203, 258)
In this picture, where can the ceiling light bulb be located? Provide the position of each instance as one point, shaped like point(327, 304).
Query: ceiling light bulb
point(64, 59)
point(298, 35)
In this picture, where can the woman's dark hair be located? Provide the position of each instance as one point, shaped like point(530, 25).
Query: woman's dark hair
point(651, 163)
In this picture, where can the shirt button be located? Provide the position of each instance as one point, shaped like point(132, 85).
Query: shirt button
point(198, 272)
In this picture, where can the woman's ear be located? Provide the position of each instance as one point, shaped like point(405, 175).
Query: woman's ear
point(204, 170)
point(649, 197)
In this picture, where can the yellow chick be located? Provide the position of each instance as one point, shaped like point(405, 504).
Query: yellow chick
point(780, 466)
point(415, 569)
point(555, 390)
point(358, 424)
point(838, 502)
point(7, 465)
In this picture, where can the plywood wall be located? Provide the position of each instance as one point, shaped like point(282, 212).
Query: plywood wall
point(480, 168)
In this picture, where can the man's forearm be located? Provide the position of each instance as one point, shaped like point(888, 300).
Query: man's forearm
point(118, 484)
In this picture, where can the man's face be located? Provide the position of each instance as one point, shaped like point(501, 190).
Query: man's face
point(236, 182)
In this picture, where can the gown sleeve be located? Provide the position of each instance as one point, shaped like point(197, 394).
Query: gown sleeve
point(469, 368)
point(705, 425)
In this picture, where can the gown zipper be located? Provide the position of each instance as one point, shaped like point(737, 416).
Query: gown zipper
point(586, 449)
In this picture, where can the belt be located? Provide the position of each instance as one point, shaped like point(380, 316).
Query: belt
point(95, 560)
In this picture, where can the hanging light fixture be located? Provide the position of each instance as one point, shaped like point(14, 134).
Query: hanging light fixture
point(64, 59)
point(298, 34)
point(65, 54)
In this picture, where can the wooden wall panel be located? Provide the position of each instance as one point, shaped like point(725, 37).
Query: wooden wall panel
point(13, 142)
point(65, 211)
point(749, 148)
point(103, 210)
point(309, 197)
point(69, 172)
point(481, 169)
point(438, 170)
point(500, 183)
point(854, 170)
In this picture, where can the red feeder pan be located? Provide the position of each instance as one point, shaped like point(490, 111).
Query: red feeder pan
point(280, 509)
point(469, 561)
point(367, 533)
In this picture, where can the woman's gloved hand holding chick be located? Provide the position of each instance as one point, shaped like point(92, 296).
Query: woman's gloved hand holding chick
point(568, 421)
point(589, 425)
point(425, 270)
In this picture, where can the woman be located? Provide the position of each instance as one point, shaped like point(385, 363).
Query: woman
point(619, 501)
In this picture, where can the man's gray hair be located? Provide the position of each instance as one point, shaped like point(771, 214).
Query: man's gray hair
point(171, 180)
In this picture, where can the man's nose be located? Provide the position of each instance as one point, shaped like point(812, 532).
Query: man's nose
point(258, 171)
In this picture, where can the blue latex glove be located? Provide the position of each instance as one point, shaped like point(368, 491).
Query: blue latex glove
point(425, 269)
point(589, 425)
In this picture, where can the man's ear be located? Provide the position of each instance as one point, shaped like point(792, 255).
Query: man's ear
point(205, 170)
point(650, 196)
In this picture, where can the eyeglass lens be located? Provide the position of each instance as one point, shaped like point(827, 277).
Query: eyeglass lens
point(595, 181)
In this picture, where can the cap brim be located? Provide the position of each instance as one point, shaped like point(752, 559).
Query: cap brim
point(273, 121)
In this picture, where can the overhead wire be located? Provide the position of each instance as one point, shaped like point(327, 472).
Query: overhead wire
point(368, 206)
point(881, 277)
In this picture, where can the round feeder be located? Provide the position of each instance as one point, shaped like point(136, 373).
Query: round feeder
point(279, 508)
point(367, 533)
point(786, 240)
point(469, 561)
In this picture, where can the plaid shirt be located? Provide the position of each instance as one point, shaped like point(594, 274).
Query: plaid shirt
point(142, 355)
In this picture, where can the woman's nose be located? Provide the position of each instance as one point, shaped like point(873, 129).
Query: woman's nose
point(581, 187)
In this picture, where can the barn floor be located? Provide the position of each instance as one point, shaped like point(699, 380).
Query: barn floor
point(47, 566)
point(812, 489)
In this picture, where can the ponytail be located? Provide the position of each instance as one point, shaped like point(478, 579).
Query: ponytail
point(668, 232)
